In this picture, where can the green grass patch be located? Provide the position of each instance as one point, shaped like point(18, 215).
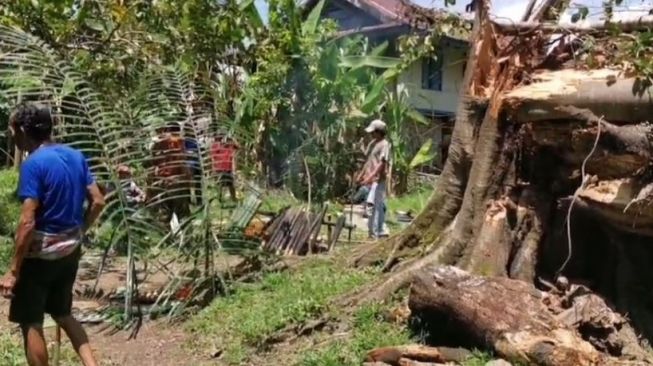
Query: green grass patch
point(11, 350)
point(239, 323)
point(413, 201)
point(274, 201)
point(369, 331)
point(478, 358)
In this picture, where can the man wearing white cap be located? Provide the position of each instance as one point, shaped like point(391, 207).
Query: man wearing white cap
point(374, 174)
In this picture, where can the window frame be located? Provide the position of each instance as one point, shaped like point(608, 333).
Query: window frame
point(433, 72)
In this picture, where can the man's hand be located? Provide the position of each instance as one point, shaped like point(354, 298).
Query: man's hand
point(7, 284)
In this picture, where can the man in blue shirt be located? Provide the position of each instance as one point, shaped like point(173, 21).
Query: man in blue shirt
point(54, 183)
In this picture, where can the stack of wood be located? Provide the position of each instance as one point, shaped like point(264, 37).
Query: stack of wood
point(294, 231)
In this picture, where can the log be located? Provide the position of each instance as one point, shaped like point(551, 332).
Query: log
point(571, 142)
point(607, 93)
point(506, 315)
point(634, 139)
point(632, 25)
point(409, 362)
point(416, 352)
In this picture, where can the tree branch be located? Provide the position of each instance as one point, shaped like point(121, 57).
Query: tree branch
point(633, 25)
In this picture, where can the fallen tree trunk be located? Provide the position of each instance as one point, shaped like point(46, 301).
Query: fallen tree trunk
point(520, 322)
point(607, 93)
point(631, 25)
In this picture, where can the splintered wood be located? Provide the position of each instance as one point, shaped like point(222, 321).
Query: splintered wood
point(567, 326)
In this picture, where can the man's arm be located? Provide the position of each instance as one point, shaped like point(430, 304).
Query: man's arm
point(381, 167)
point(24, 233)
point(95, 206)
point(375, 173)
point(23, 239)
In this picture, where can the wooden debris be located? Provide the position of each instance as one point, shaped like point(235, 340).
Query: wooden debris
point(524, 324)
point(418, 353)
point(409, 362)
point(295, 231)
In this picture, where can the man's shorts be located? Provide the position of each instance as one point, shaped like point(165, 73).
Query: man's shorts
point(44, 286)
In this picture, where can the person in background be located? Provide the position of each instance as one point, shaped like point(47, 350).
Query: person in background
point(223, 156)
point(171, 172)
point(55, 181)
point(191, 145)
point(374, 174)
point(134, 194)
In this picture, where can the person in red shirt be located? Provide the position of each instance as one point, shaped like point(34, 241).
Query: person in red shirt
point(172, 176)
point(223, 156)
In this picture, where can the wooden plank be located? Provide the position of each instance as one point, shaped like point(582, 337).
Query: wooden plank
point(317, 225)
point(340, 224)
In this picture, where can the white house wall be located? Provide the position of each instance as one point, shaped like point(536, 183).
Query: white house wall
point(452, 78)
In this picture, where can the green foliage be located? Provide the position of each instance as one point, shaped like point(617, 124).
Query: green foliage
point(11, 351)
point(113, 132)
point(9, 204)
point(113, 40)
point(478, 358)
point(369, 331)
point(413, 201)
point(252, 312)
point(9, 214)
point(424, 155)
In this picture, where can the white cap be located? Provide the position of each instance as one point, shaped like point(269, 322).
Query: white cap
point(376, 125)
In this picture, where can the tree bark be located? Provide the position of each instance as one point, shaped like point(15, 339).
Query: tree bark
point(607, 93)
point(445, 202)
point(518, 321)
point(541, 141)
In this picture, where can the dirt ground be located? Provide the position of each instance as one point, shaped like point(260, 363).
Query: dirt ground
point(158, 343)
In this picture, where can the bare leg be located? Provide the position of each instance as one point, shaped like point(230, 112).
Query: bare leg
point(36, 351)
point(232, 191)
point(78, 338)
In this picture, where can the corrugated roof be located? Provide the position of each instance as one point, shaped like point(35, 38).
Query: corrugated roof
point(391, 13)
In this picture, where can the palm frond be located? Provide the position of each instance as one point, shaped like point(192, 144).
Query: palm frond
point(112, 133)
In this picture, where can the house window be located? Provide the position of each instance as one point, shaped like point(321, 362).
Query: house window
point(432, 73)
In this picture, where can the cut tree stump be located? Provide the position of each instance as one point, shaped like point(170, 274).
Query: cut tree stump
point(522, 323)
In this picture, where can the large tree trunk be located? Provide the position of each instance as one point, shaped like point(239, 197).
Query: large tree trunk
point(548, 173)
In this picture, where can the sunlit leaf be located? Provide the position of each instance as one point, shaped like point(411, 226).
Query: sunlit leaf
point(371, 61)
point(310, 24)
point(416, 116)
point(373, 97)
point(424, 155)
point(94, 24)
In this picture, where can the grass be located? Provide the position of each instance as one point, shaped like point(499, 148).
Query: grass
point(369, 331)
point(273, 201)
point(413, 201)
point(11, 350)
point(241, 322)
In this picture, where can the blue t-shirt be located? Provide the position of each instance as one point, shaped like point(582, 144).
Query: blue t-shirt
point(57, 176)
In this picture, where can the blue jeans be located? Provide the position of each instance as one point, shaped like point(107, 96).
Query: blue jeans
point(377, 218)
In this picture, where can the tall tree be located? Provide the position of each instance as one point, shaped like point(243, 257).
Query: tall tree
point(548, 170)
